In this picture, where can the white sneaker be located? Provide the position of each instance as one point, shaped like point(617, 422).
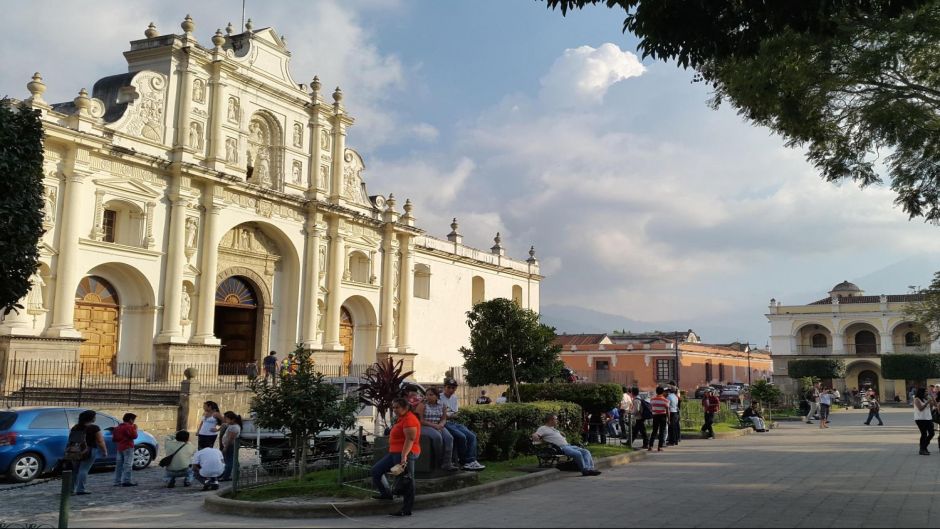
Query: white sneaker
point(473, 466)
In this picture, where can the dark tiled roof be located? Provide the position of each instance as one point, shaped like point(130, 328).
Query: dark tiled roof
point(649, 337)
point(565, 340)
point(893, 298)
point(107, 89)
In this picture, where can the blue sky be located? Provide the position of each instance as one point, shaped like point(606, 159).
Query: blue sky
point(640, 200)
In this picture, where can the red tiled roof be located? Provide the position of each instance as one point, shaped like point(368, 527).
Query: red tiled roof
point(566, 340)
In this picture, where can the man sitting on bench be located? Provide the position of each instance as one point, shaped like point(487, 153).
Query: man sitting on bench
point(548, 433)
point(753, 414)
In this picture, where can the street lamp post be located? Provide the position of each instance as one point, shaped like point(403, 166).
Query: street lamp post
point(676, 348)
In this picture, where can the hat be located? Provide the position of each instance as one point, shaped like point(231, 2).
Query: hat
point(450, 382)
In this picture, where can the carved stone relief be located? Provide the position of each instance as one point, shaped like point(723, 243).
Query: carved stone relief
point(50, 200)
point(145, 113)
point(233, 109)
point(192, 231)
point(324, 179)
point(324, 140)
point(195, 135)
point(296, 173)
point(298, 135)
point(199, 91)
point(231, 150)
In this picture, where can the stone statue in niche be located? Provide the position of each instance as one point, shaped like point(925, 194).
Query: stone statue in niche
point(233, 109)
point(48, 212)
point(231, 150)
point(192, 229)
point(244, 240)
point(263, 169)
point(195, 135)
point(324, 176)
point(298, 135)
point(324, 140)
point(185, 305)
point(199, 91)
point(295, 173)
point(255, 133)
point(34, 303)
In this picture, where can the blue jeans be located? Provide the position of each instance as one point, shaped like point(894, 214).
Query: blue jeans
point(442, 443)
point(171, 475)
point(84, 467)
point(581, 456)
point(465, 440)
point(228, 455)
point(380, 482)
point(124, 466)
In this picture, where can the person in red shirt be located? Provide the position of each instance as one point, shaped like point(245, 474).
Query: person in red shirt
point(404, 447)
point(660, 406)
point(123, 437)
point(711, 405)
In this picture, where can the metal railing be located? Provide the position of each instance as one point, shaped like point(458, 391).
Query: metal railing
point(863, 348)
point(911, 348)
point(814, 349)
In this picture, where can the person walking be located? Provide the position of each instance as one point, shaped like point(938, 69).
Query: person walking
point(641, 413)
point(825, 404)
point(674, 425)
point(209, 425)
point(812, 398)
point(270, 368)
point(874, 409)
point(924, 418)
point(711, 405)
point(229, 442)
point(404, 447)
point(660, 409)
point(94, 440)
point(123, 437)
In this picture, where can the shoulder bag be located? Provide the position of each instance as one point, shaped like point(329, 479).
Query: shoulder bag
point(165, 461)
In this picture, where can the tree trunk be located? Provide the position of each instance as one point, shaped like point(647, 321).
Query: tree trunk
point(514, 387)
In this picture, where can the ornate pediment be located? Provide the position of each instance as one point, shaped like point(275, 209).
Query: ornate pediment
point(125, 187)
point(354, 189)
point(249, 240)
point(145, 116)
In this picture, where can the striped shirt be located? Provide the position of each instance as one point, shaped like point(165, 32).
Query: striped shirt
point(660, 405)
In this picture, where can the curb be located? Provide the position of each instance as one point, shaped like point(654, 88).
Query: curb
point(216, 503)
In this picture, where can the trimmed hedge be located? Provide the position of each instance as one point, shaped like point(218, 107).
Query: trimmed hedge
point(816, 368)
point(899, 366)
point(593, 398)
point(503, 430)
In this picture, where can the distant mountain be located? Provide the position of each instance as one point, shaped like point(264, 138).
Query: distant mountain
point(914, 271)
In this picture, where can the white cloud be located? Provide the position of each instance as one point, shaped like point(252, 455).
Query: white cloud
point(583, 75)
point(425, 132)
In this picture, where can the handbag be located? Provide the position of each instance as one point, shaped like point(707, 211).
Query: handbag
point(403, 484)
point(165, 461)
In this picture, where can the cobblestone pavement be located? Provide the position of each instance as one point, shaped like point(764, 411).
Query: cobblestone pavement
point(849, 475)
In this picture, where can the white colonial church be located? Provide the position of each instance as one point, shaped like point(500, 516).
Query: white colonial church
point(204, 208)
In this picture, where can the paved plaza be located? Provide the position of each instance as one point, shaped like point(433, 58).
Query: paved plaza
point(796, 476)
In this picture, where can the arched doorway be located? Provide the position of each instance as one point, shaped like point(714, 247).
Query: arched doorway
point(868, 379)
point(346, 338)
point(97, 316)
point(236, 322)
point(865, 343)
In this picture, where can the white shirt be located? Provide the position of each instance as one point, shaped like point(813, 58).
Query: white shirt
point(208, 426)
point(551, 435)
point(924, 414)
point(673, 403)
point(500, 400)
point(825, 398)
point(626, 402)
point(210, 461)
point(451, 403)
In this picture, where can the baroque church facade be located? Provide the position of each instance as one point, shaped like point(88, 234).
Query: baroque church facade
point(204, 208)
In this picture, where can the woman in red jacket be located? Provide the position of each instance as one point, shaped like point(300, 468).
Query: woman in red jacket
point(404, 447)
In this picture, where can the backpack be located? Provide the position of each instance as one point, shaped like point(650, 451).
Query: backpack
point(647, 410)
point(76, 448)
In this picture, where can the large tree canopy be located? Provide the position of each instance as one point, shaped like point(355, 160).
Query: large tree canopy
point(20, 201)
point(854, 82)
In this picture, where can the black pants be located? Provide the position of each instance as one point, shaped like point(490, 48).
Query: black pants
point(659, 430)
point(207, 441)
point(926, 432)
point(674, 429)
point(873, 414)
point(639, 430)
point(707, 428)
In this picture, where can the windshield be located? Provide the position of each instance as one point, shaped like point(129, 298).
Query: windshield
point(7, 418)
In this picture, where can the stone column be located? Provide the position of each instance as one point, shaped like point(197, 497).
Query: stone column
point(838, 343)
point(887, 345)
point(216, 137)
point(339, 148)
point(387, 341)
point(311, 289)
point(334, 284)
point(175, 257)
point(68, 272)
point(209, 264)
point(406, 292)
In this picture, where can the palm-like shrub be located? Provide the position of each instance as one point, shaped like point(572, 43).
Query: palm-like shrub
point(381, 384)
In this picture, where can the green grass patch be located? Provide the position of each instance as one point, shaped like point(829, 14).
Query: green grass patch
point(322, 483)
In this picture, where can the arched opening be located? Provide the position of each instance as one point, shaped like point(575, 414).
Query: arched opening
point(517, 294)
point(820, 340)
point(97, 317)
point(868, 379)
point(813, 338)
point(236, 322)
point(422, 282)
point(122, 223)
point(359, 267)
point(865, 342)
point(479, 290)
point(265, 147)
point(347, 338)
point(911, 338)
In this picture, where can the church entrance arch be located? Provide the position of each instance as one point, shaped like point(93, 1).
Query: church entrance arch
point(347, 338)
point(236, 323)
point(97, 317)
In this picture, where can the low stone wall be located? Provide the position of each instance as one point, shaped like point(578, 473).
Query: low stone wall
point(192, 397)
point(159, 421)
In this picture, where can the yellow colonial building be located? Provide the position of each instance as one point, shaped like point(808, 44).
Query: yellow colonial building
point(204, 208)
point(849, 325)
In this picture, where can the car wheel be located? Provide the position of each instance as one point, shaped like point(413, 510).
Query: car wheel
point(350, 451)
point(143, 456)
point(26, 467)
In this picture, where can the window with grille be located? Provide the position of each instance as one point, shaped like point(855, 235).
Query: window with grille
point(665, 369)
point(721, 372)
point(108, 223)
point(708, 371)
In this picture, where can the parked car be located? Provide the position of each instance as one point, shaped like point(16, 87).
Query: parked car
point(33, 439)
point(731, 391)
point(275, 445)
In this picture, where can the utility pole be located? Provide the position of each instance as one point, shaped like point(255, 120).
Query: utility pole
point(676, 349)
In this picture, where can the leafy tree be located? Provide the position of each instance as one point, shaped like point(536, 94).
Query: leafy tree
point(21, 203)
point(381, 384)
point(593, 398)
point(816, 368)
point(765, 392)
point(927, 312)
point(855, 82)
point(508, 345)
point(910, 366)
point(304, 404)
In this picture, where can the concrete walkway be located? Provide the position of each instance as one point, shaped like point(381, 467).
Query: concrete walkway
point(849, 475)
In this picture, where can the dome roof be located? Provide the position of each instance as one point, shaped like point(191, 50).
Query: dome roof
point(845, 286)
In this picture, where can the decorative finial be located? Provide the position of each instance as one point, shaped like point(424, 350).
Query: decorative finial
point(284, 40)
point(532, 259)
point(249, 26)
point(498, 239)
point(498, 248)
point(218, 39)
point(408, 207)
point(454, 225)
point(188, 25)
point(229, 29)
point(82, 102)
point(454, 235)
point(36, 87)
point(151, 31)
point(337, 96)
point(390, 203)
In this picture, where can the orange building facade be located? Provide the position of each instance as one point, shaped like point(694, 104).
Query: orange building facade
point(650, 364)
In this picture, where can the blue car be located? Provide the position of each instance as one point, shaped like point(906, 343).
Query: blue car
point(32, 441)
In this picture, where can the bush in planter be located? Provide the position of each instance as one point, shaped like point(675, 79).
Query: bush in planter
point(593, 398)
point(503, 431)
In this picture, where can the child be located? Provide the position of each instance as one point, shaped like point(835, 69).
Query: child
point(123, 437)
